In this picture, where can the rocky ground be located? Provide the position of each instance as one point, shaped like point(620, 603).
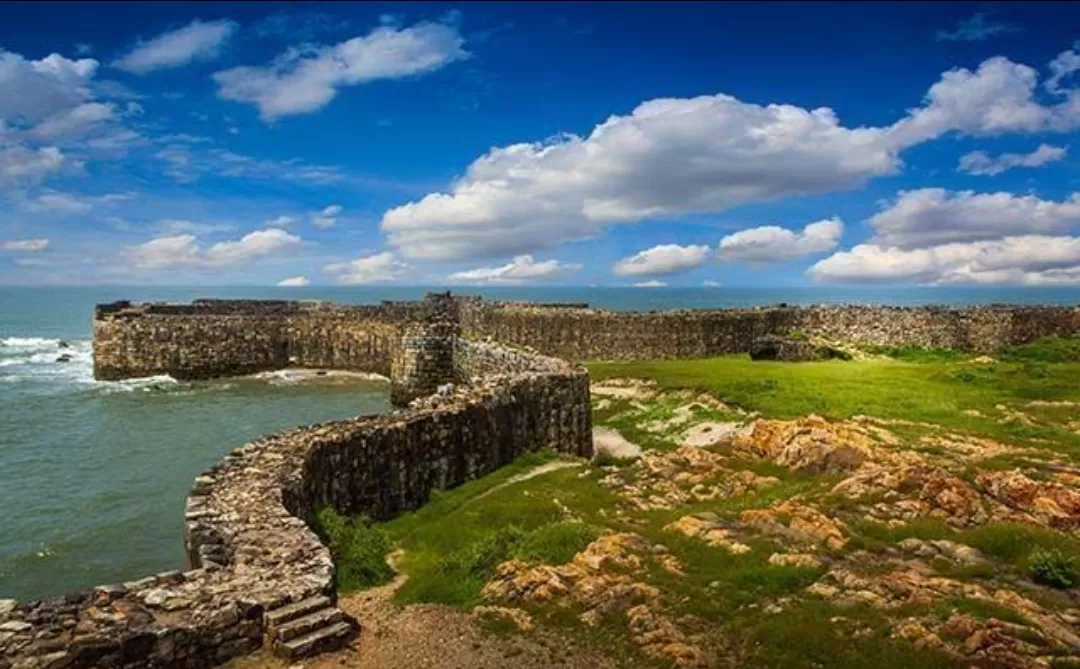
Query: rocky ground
point(721, 538)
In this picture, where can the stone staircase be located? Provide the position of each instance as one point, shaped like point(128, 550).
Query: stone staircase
point(308, 627)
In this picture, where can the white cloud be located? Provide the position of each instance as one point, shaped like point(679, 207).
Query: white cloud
point(709, 283)
point(294, 281)
point(180, 226)
point(196, 41)
point(306, 79)
point(650, 284)
point(931, 216)
point(36, 89)
point(670, 156)
point(25, 245)
point(704, 154)
point(327, 217)
point(185, 163)
point(521, 269)
point(1025, 259)
point(974, 29)
point(997, 98)
point(771, 243)
point(1064, 65)
point(20, 166)
point(75, 122)
point(369, 269)
point(183, 250)
point(661, 260)
point(73, 204)
point(281, 222)
point(979, 162)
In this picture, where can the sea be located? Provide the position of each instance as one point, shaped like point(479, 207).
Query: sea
point(93, 474)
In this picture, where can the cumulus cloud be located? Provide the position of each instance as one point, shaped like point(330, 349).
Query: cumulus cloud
point(519, 270)
point(20, 166)
point(669, 156)
point(979, 162)
point(34, 90)
point(974, 29)
point(931, 216)
point(1023, 259)
point(653, 283)
point(771, 243)
point(675, 156)
point(197, 41)
point(662, 260)
point(294, 281)
point(369, 269)
point(184, 250)
point(307, 78)
point(997, 98)
point(25, 245)
point(327, 217)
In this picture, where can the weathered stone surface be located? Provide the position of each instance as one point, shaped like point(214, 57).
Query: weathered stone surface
point(786, 349)
point(259, 573)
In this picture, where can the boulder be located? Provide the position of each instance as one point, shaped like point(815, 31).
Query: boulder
point(63, 344)
point(786, 349)
point(64, 358)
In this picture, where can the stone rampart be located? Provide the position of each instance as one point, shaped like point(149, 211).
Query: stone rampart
point(259, 575)
point(580, 333)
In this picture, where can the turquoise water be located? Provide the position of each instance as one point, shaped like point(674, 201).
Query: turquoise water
point(93, 475)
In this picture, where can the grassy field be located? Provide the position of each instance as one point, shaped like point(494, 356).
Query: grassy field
point(745, 608)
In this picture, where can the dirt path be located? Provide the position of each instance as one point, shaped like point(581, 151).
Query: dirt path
point(422, 636)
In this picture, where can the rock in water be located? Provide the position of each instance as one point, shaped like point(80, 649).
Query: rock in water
point(64, 358)
point(785, 349)
point(63, 344)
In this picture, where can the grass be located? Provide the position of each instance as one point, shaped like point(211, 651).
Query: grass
point(937, 389)
point(452, 545)
point(359, 550)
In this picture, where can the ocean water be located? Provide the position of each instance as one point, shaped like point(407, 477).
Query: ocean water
point(93, 475)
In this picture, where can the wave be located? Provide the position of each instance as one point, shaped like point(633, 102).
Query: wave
point(288, 377)
point(29, 342)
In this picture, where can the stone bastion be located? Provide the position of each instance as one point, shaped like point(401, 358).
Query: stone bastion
point(473, 393)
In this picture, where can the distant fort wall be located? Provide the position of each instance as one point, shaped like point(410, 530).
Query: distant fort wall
point(582, 333)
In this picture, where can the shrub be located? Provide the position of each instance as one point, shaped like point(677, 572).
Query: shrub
point(359, 550)
point(1052, 568)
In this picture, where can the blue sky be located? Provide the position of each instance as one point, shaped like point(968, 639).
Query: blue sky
point(608, 144)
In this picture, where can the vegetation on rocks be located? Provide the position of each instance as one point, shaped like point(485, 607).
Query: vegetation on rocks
point(912, 509)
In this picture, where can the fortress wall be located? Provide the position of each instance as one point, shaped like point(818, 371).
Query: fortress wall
point(592, 334)
point(225, 338)
point(251, 550)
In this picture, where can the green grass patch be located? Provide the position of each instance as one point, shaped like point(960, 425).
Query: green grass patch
point(556, 543)
point(359, 550)
point(814, 634)
point(930, 391)
point(1052, 349)
point(918, 353)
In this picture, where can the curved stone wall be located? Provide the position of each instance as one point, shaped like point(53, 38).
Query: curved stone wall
point(258, 574)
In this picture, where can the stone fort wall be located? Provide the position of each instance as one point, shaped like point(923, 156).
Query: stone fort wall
point(474, 395)
point(582, 333)
point(258, 575)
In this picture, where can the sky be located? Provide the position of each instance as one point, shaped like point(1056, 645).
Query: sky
point(681, 144)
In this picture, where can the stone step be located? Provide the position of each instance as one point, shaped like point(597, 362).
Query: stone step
point(308, 624)
point(284, 614)
point(320, 641)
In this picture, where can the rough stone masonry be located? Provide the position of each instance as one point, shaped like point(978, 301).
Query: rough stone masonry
point(473, 394)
